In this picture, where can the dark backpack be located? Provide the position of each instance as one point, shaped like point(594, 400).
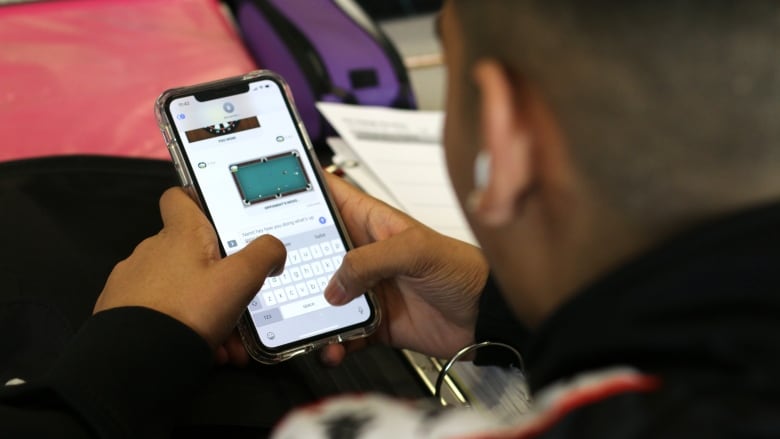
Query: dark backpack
point(327, 50)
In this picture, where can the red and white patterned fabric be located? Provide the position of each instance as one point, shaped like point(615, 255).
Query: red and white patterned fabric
point(380, 417)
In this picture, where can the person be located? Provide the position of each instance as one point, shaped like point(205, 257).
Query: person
point(616, 162)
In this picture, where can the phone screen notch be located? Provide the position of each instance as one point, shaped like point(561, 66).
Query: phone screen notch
point(209, 95)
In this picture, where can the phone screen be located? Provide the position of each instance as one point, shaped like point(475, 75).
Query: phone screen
point(253, 172)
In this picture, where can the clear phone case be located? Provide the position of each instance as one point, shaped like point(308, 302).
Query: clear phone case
point(245, 326)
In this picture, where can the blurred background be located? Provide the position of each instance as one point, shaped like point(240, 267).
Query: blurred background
point(81, 76)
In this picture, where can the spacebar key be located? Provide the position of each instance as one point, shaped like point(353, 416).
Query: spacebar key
point(303, 306)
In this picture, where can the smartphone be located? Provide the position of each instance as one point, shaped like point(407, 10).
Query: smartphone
point(241, 150)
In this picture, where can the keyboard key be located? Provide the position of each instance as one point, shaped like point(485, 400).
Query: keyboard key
point(322, 282)
point(327, 250)
point(327, 265)
point(305, 254)
point(306, 270)
point(256, 303)
point(301, 307)
point(293, 257)
point(313, 286)
point(338, 247)
point(275, 282)
point(315, 251)
point(302, 289)
point(267, 316)
point(280, 295)
point(337, 260)
point(285, 277)
point(295, 274)
point(292, 294)
point(316, 267)
point(269, 298)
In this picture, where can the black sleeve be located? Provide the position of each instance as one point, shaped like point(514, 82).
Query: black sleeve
point(497, 323)
point(125, 374)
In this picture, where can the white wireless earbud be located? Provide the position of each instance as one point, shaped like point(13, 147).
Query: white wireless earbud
point(482, 170)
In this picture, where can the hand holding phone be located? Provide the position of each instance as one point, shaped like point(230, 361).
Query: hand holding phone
point(240, 149)
point(428, 284)
point(184, 288)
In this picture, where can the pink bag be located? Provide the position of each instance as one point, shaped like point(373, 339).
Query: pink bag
point(81, 76)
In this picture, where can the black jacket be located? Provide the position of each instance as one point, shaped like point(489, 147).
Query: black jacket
point(700, 314)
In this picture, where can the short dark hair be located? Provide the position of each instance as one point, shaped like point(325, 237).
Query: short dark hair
point(671, 108)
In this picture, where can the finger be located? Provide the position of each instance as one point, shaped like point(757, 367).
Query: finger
point(348, 199)
point(367, 219)
point(341, 190)
point(246, 270)
point(332, 355)
point(364, 267)
point(236, 353)
point(177, 208)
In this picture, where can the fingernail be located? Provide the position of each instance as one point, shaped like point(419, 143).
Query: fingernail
point(334, 292)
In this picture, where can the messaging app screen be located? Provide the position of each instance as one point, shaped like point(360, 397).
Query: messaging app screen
point(251, 168)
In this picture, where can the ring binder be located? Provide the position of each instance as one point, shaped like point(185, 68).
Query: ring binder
point(472, 347)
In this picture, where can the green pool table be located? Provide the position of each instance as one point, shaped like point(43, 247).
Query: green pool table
point(269, 178)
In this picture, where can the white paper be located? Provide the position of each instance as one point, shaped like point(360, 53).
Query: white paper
point(502, 392)
point(403, 150)
point(345, 159)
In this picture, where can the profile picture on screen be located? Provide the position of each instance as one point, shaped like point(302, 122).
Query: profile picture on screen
point(270, 178)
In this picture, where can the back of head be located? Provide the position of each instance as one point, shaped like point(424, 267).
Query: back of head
point(670, 108)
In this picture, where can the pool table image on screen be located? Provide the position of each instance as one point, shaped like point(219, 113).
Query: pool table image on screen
point(270, 178)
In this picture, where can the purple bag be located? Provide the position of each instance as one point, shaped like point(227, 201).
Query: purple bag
point(327, 50)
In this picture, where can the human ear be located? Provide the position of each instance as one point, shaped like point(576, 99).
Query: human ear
point(503, 168)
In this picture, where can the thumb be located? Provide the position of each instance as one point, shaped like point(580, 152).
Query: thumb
point(364, 267)
point(246, 270)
